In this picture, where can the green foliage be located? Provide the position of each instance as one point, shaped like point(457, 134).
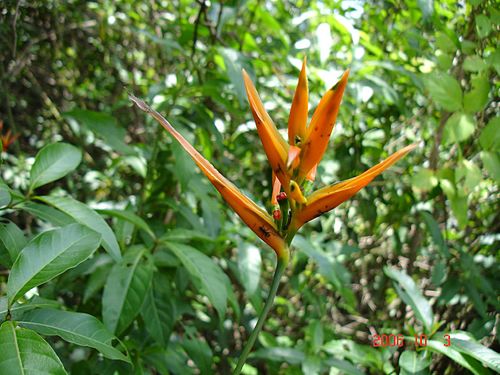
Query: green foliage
point(121, 255)
point(24, 352)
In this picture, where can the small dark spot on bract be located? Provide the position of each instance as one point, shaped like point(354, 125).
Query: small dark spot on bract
point(265, 231)
point(292, 188)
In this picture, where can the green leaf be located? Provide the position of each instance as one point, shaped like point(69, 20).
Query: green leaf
point(201, 354)
point(185, 235)
point(490, 136)
point(159, 311)
point(412, 296)
point(83, 214)
point(477, 97)
point(331, 269)
point(4, 194)
point(48, 255)
point(96, 281)
point(131, 218)
point(494, 60)
point(18, 309)
point(439, 273)
point(491, 161)
point(346, 367)
point(12, 238)
point(445, 43)
point(468, 176)
point(315, 335)
point(485, 355)
point(435, 232)
point(459, 127)
point(444, 90)
point(249, 266)
point(359, 354)
point(444, 61)
point(289, 355)
point(483, 26)
point(23, 352)
point(463, 360)
point(77, 328)
point(4, 308)
point(54, 162)
point(47, 213)
point(171, 358)
point(104, 126)
point(312, 365)
point(424, 179)
point(474, 64)
point(125, 290)
point(411, 363)
point(426, 7)
point(206, 274)
point(234, 62)
point(458, 205)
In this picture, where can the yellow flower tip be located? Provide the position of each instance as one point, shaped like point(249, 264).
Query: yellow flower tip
point(339, 87)
point(296, 193)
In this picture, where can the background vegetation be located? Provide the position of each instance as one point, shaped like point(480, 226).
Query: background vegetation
point(121, 237)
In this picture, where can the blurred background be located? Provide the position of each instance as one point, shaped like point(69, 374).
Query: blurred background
point(414, 253)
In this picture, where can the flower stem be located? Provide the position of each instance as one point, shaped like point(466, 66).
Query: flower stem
point(280, 268)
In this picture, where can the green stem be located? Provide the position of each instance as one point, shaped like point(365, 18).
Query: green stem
point(280, 268)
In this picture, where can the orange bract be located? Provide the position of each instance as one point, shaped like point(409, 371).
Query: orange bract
point(254, 217)
point(297, 120)
point(329, 197)
point(6, 139)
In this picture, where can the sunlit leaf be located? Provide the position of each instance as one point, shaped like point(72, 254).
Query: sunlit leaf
point(83, 214)
point(458, 128)
point(444, 90)
point(77, 328)
point(53, 162)
point(48, 255)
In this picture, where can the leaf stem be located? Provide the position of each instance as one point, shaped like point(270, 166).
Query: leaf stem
point(280, 268)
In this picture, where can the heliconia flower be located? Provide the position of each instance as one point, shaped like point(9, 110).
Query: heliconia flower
point(6, 139)
point(294, 164)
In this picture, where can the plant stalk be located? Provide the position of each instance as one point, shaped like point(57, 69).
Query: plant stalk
point(280, 268)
